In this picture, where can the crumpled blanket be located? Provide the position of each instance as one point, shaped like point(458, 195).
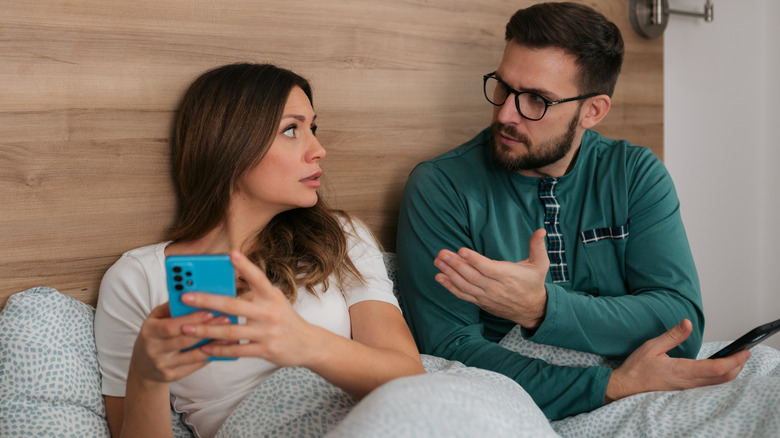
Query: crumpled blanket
point(452, 400)
point(749, 406)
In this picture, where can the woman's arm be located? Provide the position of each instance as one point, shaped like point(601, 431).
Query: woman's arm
point(147, 408)
point(140, 412)
point(382, 347)
point(156, 360)
point(115, 412)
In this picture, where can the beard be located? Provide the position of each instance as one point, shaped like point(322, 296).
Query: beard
point(537, 156)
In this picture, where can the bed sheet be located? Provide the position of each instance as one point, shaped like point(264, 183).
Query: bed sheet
point(50, 386)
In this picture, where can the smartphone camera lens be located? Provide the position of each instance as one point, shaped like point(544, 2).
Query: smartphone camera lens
point(177, 269)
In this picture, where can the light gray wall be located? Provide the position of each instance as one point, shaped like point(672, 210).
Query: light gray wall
point(721, 101)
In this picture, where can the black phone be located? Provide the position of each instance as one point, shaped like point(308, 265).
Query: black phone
point(749, 339)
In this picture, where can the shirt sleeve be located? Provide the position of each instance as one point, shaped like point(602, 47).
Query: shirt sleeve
point(369, 261)
point(123, 305)
point(432, 218)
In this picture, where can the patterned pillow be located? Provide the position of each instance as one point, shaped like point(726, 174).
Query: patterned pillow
point(49, 375)
point(391, 265)
point(49, 378)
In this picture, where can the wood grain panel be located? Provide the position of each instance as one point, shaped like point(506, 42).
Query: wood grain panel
point(88, 90)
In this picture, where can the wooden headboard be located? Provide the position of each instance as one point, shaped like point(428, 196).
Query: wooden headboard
point(88, 90)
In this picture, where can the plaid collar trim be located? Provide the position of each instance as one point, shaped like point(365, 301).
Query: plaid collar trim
point(556, 251)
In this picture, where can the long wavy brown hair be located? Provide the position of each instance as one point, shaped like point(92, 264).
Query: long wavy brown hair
point(225, 124)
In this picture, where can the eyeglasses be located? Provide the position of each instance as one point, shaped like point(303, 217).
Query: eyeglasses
point(529, 104)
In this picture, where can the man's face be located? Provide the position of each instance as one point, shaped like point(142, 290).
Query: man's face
point(543, 147)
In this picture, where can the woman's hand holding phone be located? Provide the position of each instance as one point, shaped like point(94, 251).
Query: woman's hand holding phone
point(161, 352)
point(273, 329)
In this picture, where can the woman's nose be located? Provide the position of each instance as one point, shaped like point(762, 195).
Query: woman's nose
point(316, 150)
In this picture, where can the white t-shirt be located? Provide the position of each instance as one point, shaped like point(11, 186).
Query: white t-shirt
point(135, 284)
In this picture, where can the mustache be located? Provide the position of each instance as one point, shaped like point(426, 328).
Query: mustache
point(509, 131)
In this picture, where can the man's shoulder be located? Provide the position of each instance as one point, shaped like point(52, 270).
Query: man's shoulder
point(610, 150)
point(465, 157)
point(622, 160)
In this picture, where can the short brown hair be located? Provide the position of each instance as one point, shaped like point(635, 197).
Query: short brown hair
point(579, 30)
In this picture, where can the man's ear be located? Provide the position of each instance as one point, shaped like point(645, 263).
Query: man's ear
point(595, 109)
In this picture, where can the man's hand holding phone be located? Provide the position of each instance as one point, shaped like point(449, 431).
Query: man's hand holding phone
point(649, 368)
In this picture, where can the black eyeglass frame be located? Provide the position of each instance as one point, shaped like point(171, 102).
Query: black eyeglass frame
point(547, 102)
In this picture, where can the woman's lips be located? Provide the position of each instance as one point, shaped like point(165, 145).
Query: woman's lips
point(313, 180)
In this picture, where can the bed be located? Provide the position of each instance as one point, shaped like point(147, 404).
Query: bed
point(50, 386)
point(89, 89)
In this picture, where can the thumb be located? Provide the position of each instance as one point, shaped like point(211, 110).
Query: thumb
point(537, 250)
point(674, 336)
point(161, 311)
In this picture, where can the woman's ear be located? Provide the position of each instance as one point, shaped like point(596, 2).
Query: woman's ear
point(595, 109)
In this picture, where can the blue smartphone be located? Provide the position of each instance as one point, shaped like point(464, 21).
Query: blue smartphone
point(210, 273)
point(749, 339)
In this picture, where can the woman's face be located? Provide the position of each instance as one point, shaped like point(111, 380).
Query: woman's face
point(289, 175)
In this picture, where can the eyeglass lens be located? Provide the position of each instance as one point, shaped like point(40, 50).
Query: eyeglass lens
point(529, 105)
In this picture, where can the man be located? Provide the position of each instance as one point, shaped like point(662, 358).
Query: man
point(605, 263)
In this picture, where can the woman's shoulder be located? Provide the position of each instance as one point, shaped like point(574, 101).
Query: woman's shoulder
point(154, 250)
point(357, 232)
point(141, 265)
point(145, 256)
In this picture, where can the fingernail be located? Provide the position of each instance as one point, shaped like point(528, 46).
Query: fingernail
point(188, 329)
point(188, 298)
point(207, 316)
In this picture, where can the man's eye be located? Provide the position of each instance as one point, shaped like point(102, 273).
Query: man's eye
point(289, 132)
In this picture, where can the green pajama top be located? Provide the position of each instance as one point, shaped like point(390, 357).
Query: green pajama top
point(619, 290)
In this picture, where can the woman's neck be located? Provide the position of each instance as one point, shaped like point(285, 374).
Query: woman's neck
point(231, 234)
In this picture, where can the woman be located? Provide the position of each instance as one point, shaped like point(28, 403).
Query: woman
point(246, 167)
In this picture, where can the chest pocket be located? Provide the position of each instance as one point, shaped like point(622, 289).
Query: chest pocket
point(606, 249)
point(597, 234)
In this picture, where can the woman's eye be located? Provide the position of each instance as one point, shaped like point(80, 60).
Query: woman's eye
point(314, 130)
point(289, 132)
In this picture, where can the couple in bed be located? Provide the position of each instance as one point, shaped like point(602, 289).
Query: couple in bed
point(605, 265)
